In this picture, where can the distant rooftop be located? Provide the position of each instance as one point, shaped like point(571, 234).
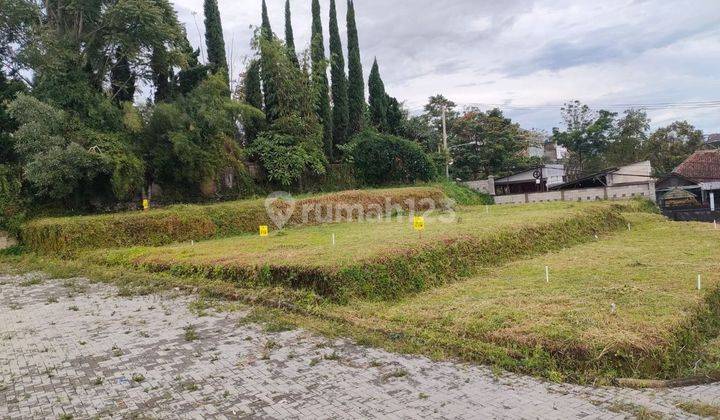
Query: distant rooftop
point(702, 166)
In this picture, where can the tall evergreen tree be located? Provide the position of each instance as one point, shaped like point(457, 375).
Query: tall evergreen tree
point(265, 28)
point(191, 76)
point(269, 85)
point(289, 37)
point(356, 80)
point(122, 79)
point(253, 96)
point(339, 81)
point(395, 116)
point(161, 74)
point(214, 38)
point(378, 99)
point(319, 72)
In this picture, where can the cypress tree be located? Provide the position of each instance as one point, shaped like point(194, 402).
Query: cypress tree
point(395, 116)
point(339, 81)
point(214, 37)
point(378, 99)
point(161, 74)
point(317, 56)
point(356, 81)
point(195, 73)
point(122, 79)
point(253, 96)
point(265, 28)
point(269, 86)
point(289, 37)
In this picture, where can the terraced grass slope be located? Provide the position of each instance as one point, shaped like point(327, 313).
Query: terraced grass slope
point(624, 305)
point(381, 260)
point(67, 235)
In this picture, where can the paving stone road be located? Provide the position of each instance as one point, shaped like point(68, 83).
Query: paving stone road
point(70, 348)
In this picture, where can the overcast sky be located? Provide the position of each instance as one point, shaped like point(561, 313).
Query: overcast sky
point(528, 55)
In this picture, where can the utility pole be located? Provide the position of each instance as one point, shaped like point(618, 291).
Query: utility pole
point(445, 144)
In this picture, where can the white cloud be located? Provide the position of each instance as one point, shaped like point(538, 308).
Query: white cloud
point(521, 52)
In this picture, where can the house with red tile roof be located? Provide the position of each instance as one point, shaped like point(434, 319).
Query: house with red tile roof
point(700, 175)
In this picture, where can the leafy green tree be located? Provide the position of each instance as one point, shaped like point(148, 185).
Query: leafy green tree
point(629, 138)
point(669, 146)
point(189, 143)
point(356, 80)
point(289, 37)
point(292, 146)
point(339, 81)
point(587, 137)
point(63, 159)
point(486, 143)
point(8, 90)
point(319, 72)
point(214, 38)
point(378, 99)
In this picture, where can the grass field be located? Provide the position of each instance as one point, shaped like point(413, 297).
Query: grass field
point(660, 326)
point(619, 303)
point(382, 259)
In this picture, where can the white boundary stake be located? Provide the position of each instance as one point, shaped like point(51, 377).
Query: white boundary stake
point(333, 239)
point(613, 308)
point(699, 282)
point(547, 274)
point(715, 224)
point(192, 243)
point(487, 209)
point(629, 226)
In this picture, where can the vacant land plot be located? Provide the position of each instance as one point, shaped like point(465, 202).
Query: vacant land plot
point(626, 305)
point(381, 259)
point(66, 235)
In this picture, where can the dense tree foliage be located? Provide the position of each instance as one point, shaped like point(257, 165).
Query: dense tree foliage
point(487, 143)
point(587, 136)
point(384, 159)
point(253, 96)
point(339, 81)
point(356, 81)
point(291, 147)
point(669, 146)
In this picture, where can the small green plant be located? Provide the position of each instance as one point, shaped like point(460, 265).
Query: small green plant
point(137, 377)
point(98, 381)
point(73, 308)
point(190, 333)
point(51, 299)
point(397, 373)
point(31, 282)
point(332, 356)
point(314, 361)
point(191, 386)
point(116, 351)
point(66, 416)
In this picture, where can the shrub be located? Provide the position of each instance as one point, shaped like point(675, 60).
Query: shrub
point(465, 196)
point(382, 159)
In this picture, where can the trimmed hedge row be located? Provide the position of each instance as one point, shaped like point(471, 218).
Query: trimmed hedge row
point(68, 235)
point(392, 276)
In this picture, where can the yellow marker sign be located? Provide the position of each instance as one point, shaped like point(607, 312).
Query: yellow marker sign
point(419, 223)
point(264, 231)
point(146, 204)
